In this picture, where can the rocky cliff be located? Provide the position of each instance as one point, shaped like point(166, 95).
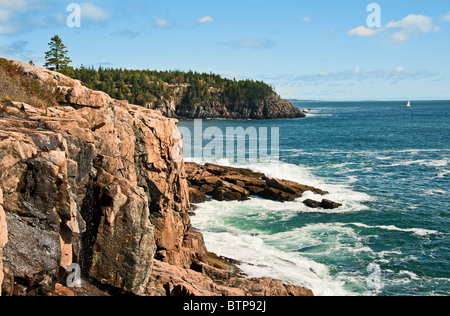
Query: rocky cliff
point(271, 107)
point(3, 237)
point(179, 94)
point(92, 181)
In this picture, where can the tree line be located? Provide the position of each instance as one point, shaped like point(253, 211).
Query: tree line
point(143, 87)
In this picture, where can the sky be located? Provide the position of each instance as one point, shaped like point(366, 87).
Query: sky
point(311, 50)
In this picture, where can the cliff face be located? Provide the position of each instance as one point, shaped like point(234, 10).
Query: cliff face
point(272, 107)
point(93, 182)
point(87, 182)
point(3, 237)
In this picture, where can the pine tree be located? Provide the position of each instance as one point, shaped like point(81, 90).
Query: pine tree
point(56, 58)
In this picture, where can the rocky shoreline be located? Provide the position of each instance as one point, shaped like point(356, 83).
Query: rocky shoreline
point(92, 181)
point(271, 107)
point(223, 183)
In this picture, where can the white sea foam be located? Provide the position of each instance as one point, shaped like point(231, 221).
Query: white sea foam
point(409, 274)
point(384, 157)
point(258, 253)
point(261, 260)
point(423, 162)
point(378, 153)
point(300, 174)
point(416, 231)
point(435, 192)
point(437, 163)
point(275, 256)
point(321, 239)
point(442, 174)
point(309, 115)
point(289, 255)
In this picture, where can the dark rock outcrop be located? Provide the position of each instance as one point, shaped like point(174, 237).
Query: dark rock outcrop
point(325, 204)
point(311, 203)
point(236, 184)
point(329, 205)
point(271, 107)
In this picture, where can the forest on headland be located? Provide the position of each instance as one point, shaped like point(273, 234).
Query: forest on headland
point(143, 87)
point(178, 94)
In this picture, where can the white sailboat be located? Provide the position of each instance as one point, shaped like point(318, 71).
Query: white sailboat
point(408, 105)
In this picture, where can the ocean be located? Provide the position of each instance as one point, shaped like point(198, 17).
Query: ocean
point(388, 166)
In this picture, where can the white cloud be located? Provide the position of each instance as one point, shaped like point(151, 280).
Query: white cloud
point(359, 74)
point(9, 11)
point(163, 23)
point(409, 26)
point(126, 33)
point(90, 11)
point(6, 25)
point(412, 25)
point(16, 5)
point(306, 19)
point(253, 43)
point(22, 15)
point(16, 50)
point(363, 31)
point(446, 17)
point(205, 19)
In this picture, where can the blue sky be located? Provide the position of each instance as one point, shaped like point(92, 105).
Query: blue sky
point(322, 50)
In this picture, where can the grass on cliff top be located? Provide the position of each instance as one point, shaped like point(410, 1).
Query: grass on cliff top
point(15, 86)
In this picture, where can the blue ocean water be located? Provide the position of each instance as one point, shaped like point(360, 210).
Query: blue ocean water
point(388, 166)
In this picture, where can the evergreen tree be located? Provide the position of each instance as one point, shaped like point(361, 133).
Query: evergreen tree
point(56, 58)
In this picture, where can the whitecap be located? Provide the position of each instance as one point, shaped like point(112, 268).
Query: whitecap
point(258, 257)
point(442, 174)
point(409, 274)
point(435, 192)
point(416, 231)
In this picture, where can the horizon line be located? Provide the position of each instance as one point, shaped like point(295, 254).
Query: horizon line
point(361, 100)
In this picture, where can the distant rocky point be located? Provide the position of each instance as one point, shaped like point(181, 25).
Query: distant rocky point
point(190, 95)
point(271, 107)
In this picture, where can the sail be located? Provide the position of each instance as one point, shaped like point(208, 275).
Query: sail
point(409, 104)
